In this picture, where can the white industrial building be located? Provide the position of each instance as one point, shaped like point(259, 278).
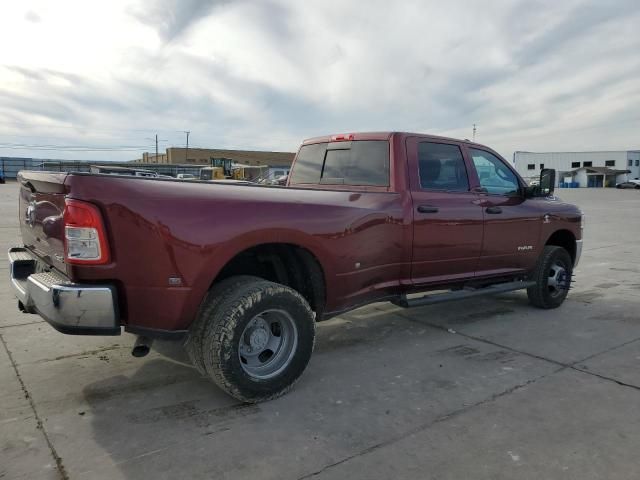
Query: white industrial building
point(583, 169)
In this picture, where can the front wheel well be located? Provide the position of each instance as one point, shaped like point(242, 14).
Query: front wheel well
point(564, 239)
point(284, 263)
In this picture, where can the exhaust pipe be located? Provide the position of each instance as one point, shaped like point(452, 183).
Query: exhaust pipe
point(141, 347)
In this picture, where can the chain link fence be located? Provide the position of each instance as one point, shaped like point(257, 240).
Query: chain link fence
point(10, 166)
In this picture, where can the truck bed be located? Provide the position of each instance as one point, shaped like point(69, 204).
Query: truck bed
point(170, 239)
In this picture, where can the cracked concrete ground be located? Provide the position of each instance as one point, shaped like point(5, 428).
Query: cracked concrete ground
point(485, 388)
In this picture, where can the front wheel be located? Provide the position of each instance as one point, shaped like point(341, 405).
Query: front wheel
point(258, 340)
point(553, 278)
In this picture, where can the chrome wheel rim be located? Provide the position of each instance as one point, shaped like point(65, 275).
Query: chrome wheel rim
point(558, 281)
point(268, 344)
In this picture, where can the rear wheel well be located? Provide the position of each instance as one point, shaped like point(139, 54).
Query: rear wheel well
point(566, 240)
point(283, 263)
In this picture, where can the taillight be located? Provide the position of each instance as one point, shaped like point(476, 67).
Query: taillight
point(85, 239)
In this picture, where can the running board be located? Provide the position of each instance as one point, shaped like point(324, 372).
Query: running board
point(434, 298)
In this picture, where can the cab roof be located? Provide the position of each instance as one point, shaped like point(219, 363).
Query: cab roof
point(380, 136)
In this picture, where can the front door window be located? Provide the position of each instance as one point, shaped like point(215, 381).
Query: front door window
point(495, 177)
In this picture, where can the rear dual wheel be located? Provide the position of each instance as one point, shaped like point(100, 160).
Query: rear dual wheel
point(253, 338)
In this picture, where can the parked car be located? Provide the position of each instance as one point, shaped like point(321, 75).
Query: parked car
point(282, 180)
point(629, 184)
point(186, 176)
point(242, 273)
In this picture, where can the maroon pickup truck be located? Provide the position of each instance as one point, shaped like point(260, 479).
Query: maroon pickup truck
point(242, 273)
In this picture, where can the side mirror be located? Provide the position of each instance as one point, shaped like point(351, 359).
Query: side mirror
point(545, 187)
point(547, 182)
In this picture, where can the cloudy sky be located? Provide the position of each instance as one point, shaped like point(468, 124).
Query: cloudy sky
point(97, 79)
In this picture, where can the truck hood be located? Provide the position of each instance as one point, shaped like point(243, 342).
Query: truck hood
point(556, 204)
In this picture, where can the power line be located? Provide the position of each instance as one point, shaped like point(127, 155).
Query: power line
point(85, 131)
point(71, 145)
point(84, 127)
point(73, 148)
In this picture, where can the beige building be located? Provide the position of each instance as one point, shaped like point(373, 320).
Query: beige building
point(203, 156)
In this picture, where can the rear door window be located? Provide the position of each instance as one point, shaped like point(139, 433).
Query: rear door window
point(441, 167)
point(343, 163)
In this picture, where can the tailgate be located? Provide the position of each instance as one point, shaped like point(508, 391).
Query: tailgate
point(40, 210)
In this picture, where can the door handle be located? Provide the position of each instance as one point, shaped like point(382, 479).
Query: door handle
point(493, 210)
point(427, 209)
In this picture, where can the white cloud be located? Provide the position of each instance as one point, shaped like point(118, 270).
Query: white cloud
point(534, 75)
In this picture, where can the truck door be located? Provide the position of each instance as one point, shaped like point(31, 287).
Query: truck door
point(511, 224)
point(447, 217)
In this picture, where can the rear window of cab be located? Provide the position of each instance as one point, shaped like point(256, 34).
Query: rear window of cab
point(361, 162)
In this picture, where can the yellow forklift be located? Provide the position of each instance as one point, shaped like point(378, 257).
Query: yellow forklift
point(225, 169)
point(212, 173)
point(220, 169)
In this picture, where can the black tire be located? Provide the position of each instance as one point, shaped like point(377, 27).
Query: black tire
point(229, 328)
point(215, 296)
point(637, 187)
point(553, 278)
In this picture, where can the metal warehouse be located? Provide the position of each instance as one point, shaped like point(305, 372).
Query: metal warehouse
point(581, 169)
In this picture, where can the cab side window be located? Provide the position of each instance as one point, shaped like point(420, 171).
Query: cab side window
point(495, 177)
point(441, 167)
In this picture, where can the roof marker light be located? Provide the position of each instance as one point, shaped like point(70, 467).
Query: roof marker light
point(343, 137)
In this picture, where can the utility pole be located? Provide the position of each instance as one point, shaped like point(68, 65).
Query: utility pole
point(157, 140)
point(474, 132)
point(186, 152)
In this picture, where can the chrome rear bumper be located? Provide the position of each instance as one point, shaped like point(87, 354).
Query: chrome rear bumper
point(73, 308)
point(578, 253)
